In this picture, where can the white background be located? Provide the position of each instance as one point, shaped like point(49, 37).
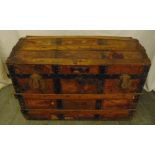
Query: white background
point(73, 15)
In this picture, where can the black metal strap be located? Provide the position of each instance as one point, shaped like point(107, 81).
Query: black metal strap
point(70, 76)
point(57, 89)
point(100, 90)
point(13, 77)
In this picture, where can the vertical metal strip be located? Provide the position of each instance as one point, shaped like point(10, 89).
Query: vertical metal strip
point(13, 77)
point(102, 70)
point(100, 90)
point(12, 74)
point(21, 101)
point(146, 69)
point(142, 80)
point(98, 106)
point(25, 113)
point(57, 90)
point(56, 81)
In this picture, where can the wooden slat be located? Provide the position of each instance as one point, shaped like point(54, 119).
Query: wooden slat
point(78, 96)
point(82, 112)
point(80, 54)
point(75, 47)
point(79, 43)
point(28, 50)
point(62, 61)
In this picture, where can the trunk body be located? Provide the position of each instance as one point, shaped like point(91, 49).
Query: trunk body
point(78, 77)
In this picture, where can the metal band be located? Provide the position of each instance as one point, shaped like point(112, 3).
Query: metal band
point(57, 89)
point(21, 101)
point(142, 81)
point(70, 76)
point(100, 90)
point(24, 111)
point(13, 77)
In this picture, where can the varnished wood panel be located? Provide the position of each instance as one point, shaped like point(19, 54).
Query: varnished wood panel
point(111, 72)
point(61, 50)
point(79, 104)
point(110, 55)
point(30, 69)
point(78, 117)
point(144, 114)
point(115, 114)
point(120, 103)
point(113, 86)
point(124, 69)
point(63, 61)
point(73, 86)
point(61, 43)
point(47, 86)
point(79, 70)
point(40, 104)
point(78, 114)
point(67, 104)
point(37, 115)
point(110, 96)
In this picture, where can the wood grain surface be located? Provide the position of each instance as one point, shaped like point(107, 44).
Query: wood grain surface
point(78, 77)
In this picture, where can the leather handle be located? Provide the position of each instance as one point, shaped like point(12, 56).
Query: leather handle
point(36, 83)
point(125, 81)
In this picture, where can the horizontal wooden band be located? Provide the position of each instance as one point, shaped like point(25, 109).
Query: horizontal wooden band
point(78, 112)
point(63, 61)
point(78, 96)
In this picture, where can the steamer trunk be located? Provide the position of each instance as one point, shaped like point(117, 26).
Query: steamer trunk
point(78, 77)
